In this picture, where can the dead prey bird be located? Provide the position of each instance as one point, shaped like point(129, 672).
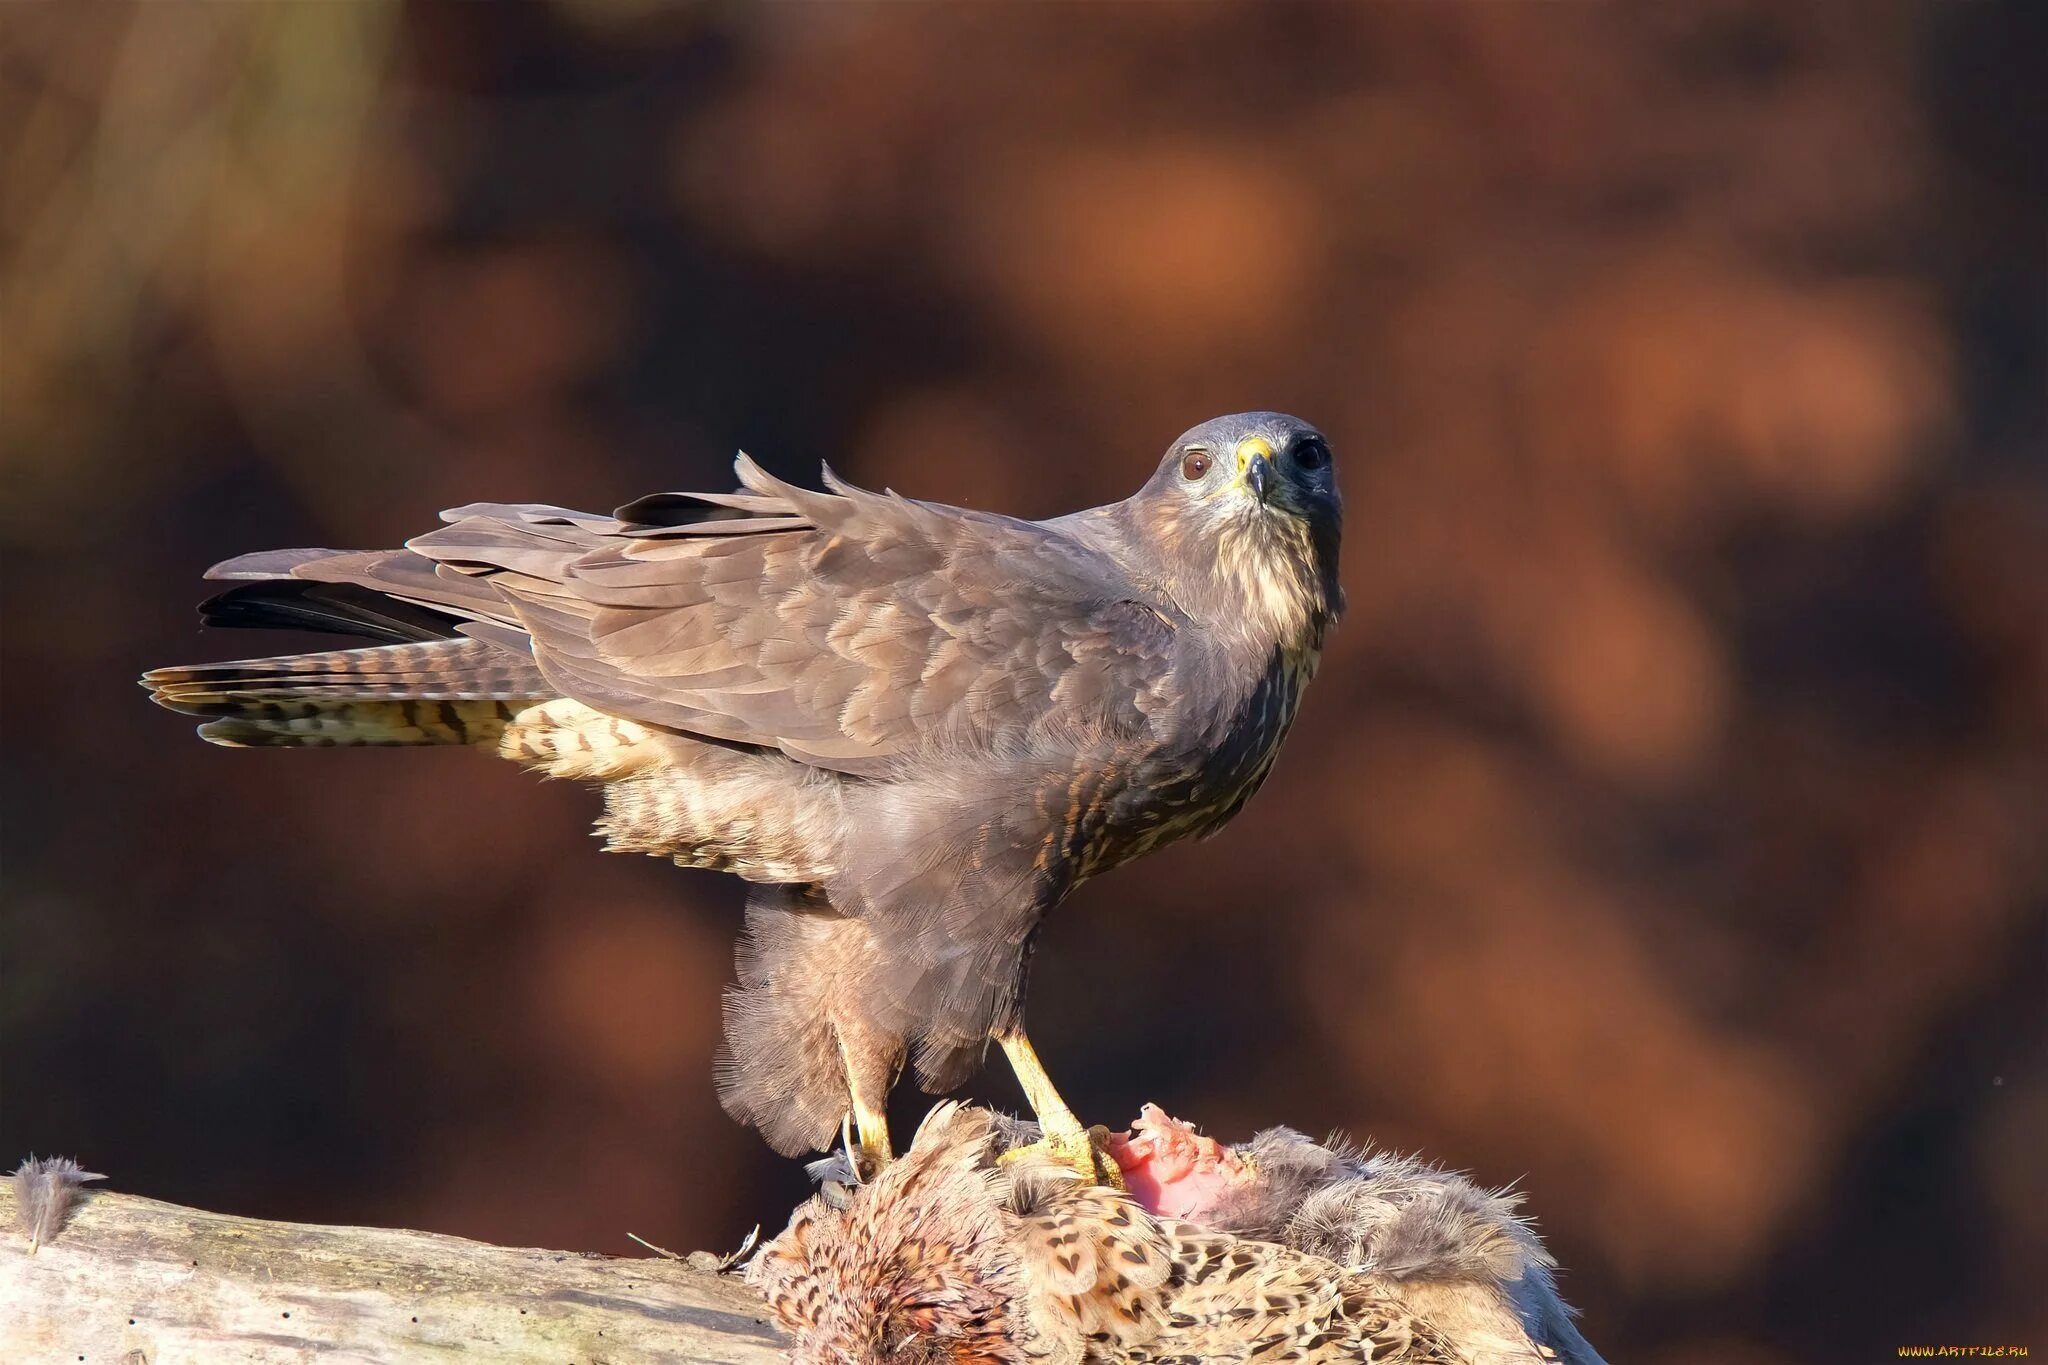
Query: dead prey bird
point(915, 728)
point(1278, 1250)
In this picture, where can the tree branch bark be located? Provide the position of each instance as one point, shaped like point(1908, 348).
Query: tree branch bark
point(132, 1281)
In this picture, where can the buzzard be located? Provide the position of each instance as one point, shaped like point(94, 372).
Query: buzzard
point(914, 728)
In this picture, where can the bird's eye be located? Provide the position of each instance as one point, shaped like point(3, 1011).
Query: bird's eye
point(1195, 465)
point(1311, 453)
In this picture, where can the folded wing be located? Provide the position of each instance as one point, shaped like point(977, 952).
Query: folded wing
point(848, 629)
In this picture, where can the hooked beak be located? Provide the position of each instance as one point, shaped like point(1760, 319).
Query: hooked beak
point(1255, 465)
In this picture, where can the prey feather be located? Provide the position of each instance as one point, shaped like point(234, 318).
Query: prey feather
point(43, 1190)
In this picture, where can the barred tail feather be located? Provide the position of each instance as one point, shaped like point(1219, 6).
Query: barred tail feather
point(439, 692)
point(261, 724)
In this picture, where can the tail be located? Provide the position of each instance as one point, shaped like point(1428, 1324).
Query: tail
point(445, 672)
point(457, 691)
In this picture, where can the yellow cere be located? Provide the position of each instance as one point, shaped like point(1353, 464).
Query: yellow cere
point(1252, 448)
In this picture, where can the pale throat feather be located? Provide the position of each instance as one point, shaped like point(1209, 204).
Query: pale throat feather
point(1272, 564)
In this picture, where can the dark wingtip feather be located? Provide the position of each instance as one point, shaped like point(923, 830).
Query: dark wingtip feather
point(279, 602)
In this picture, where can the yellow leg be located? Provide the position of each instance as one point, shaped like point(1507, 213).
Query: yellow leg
point(871, 1129)
point(871, 1151)
point(1055, 1118)
point(1061, 1135)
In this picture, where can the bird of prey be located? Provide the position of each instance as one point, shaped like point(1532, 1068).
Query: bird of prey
point(914, 728)
point(1279, 1250)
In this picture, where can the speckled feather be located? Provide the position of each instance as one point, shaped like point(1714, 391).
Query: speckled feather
point(952, 1255)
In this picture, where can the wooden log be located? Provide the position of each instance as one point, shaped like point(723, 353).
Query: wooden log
point(132, 1281)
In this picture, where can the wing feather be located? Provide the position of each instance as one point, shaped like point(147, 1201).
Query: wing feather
point(848, 628)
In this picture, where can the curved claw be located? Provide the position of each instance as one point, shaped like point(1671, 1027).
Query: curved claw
point(1084, 1152)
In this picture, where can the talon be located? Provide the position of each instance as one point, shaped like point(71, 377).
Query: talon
point(854, 1151)
point(1084, 1151)
point(1086, 1154)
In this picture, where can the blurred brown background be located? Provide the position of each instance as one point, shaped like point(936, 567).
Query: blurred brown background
point(1666, 830)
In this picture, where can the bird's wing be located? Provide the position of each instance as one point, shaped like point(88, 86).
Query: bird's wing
point(847, 628)
point(1096, 1267)
point(1235, 1298)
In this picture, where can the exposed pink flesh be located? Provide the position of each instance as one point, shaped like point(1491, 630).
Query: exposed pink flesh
point(1172, 1170)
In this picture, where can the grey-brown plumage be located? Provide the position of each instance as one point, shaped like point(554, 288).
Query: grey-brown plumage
point(955, 1254)
point(917, 727)
point(43, 1191)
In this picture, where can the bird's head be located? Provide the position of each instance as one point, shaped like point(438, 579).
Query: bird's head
point(1246, 508)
